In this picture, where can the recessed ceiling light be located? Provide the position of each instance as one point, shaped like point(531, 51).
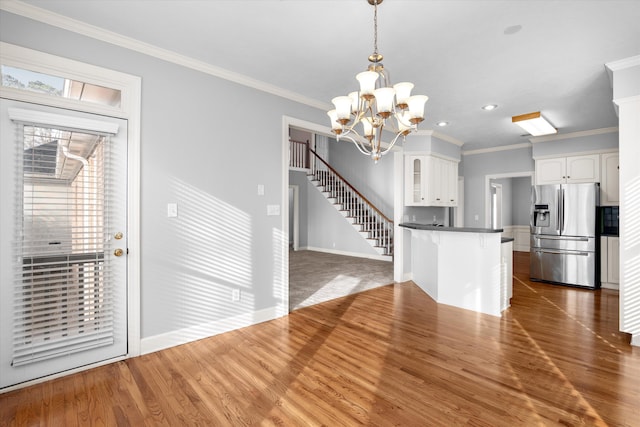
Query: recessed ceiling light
point(442, 124)
point(489, 107)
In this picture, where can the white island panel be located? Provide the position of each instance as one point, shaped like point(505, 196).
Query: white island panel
point(462, 269)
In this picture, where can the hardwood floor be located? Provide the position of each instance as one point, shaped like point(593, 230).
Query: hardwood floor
point(388, 356)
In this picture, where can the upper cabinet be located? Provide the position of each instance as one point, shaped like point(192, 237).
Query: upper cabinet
point(565, 170)
point(430, 181)
point(610, 179)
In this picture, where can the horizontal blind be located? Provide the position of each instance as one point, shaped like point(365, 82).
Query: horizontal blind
point(62, 300)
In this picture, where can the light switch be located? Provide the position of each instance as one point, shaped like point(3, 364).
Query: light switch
point(273, 209)
point(260, 190)
point(172, 210)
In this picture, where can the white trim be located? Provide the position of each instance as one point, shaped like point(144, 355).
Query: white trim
point(632, 61)
point(494, 149)
point(447, 138)
point(296, 216)
point(487, 190)
point(206, 330)
point(577, 153)
point(61, 120)
point(66, 23)
point(432, 154)
point(346, 253)
point(627, 100)
point(558, 137)
point(398, 211)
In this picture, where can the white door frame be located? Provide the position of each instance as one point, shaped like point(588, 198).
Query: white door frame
point(130, 87)
point(496, 206)
point(487, 190)
point(296, 216)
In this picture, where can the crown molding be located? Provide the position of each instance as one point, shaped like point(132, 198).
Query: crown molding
point(495, 149)
point(632, 61)
point(558, 137)
point(37, 14)
point(448, 138)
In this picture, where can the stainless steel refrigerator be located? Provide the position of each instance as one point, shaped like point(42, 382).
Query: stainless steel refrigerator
point(564, 244)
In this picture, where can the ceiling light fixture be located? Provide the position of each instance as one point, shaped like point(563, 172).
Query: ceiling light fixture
point(442, 124)
point(375, 105)
point(534, 123)
point(489, 107)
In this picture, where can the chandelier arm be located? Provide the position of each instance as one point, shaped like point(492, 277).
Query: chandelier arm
point(358, 144)
point(398, 135)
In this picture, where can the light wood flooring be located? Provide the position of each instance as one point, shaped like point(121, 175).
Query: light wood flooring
point(387, 356)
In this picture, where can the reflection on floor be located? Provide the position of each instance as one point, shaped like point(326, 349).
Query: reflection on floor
point(316, 277)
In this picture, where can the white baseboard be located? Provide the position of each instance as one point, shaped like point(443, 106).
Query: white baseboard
point(521, 236)
point(613, 286)
point(197, 332)
point(407, 277)
point(345, 253)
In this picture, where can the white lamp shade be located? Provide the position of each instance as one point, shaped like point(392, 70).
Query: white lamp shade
point(403, 92)
point(343, 106)
point(416, 105)
point(384, 99)
point(367, 126)
point(333, 116)
point(355, 101)
point(403, 121)
point(367, 81)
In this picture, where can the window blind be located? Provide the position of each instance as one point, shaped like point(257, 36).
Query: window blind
point(63, 301)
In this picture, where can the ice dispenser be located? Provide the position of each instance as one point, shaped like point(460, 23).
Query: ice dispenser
point(541, 216)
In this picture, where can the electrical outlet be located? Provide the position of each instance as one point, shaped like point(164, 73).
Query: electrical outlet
point(235, 295)
point(172, 210)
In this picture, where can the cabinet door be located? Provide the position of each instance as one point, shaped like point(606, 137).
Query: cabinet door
point(604, 263)
point(414, 178)
point(610, 179)
point(583, 168)
point(551, 171)
point(435, 195)
point(613, 259)
point(452, 184)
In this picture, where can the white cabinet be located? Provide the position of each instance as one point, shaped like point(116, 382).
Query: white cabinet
point(430, 181)
point(610, 179)
point(565, 170)
point(610, 262)
point(415, 177)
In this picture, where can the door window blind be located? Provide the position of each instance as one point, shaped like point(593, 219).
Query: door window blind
point(62, 299)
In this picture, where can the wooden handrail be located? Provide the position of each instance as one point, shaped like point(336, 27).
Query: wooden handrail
point(350, 186)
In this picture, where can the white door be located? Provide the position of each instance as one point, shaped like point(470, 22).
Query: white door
point(63, 263)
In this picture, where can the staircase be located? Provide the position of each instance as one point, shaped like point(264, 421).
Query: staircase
point(372, 224)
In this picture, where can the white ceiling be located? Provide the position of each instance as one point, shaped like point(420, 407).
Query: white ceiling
point(456, 52)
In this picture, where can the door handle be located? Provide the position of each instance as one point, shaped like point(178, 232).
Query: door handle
point(118, 252)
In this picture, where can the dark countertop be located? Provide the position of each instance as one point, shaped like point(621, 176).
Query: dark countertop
point(418, 226)
point(506, 239)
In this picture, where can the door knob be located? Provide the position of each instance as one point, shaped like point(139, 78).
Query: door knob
point(118, 235)
point(118, 252)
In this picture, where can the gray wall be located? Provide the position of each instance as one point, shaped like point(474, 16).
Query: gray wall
point(196, 152)
point(373, 180)
point(520, 200)
point(477, 167)
point(576, 145)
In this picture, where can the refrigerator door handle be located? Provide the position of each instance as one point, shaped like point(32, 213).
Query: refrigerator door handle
point(558, 209)
point(547, 251)
point(562, 226)
point(571, 239)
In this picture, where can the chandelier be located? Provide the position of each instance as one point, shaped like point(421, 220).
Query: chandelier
point(377, 105)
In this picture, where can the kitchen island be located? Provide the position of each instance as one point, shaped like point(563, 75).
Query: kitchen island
point(464, 267)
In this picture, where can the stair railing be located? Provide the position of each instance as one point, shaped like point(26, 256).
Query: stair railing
point(299, 154)
point(373, 221)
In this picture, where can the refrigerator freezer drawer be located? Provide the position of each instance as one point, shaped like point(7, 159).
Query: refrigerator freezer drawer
point(576, 268)
point(587, 244)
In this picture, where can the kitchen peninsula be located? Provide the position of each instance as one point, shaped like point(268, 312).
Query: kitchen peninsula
point(464, 267)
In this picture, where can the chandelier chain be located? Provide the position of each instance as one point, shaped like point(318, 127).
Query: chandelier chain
point(375, 27)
